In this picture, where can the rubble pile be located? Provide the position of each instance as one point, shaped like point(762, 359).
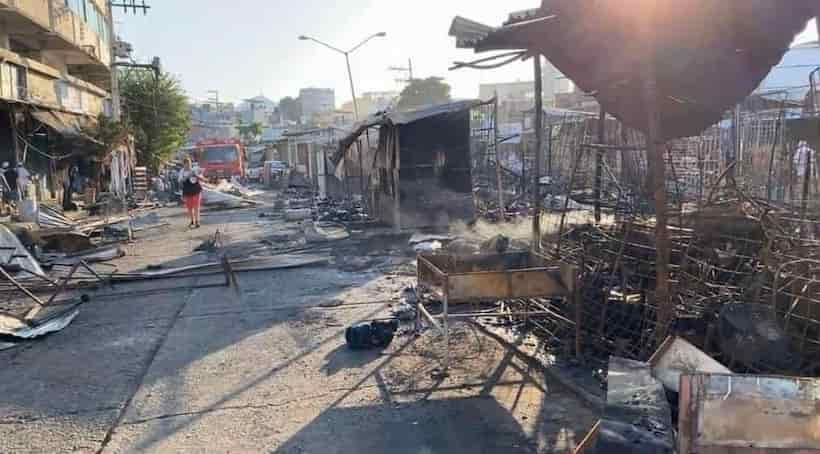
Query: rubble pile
point(744, 284)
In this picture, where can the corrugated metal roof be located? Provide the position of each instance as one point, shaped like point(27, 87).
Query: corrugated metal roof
point(705, 64)
point(404, 118)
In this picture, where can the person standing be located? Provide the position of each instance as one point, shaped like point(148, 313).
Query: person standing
point(4, 191)
point(70, 186)
point(12, 196)
point(23, 180)
point(190, 179)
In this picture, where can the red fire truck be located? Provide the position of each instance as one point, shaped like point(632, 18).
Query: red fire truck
point(221, 158)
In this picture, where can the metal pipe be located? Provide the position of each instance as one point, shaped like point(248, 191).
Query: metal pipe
point(599, 164)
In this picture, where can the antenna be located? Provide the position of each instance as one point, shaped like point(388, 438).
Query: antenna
point(132, 6)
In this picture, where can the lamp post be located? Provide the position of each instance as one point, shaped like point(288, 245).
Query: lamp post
point(352, 92)
point(347, 60)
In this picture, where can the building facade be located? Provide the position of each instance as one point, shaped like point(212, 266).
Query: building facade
point(316, 101)
point(373, 102)
point(55, 80)
point(213, 121)
point(56, 54)
point(259, 109)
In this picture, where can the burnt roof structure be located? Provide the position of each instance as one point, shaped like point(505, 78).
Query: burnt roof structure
point(709, 54)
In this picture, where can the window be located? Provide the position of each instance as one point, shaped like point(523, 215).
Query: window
point(75, 6)
point(91, 15)
point(217, 154)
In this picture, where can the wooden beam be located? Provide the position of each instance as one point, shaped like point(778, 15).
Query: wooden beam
point(599, 164)
point(502, 209)
point(657, 168)
point(538, 200)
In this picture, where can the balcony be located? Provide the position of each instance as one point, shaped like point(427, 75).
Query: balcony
point(27, 81)
point(37, 26)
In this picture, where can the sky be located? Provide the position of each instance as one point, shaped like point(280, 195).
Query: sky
point(244, 48)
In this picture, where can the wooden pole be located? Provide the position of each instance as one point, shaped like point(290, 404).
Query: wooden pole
point(502, 210)
point(599, 164)
point(538, 125)
point(657, 169)
point(397, 180)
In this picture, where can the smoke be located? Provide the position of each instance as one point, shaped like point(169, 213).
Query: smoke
point(520, 229)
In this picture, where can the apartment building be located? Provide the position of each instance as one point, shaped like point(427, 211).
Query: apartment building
point(55, 80)
point(316, 101)
point(55, 67)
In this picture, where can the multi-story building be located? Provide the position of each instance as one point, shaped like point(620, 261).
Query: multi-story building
point(373, 102)
point(258, 109)
point(55, 72)
point(213, 121)
point(316, 101)
point(336, 118)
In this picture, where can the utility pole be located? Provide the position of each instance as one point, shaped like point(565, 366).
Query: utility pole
point(347, 53)
point(126, 5)
point(116, 108)
point(405, 69)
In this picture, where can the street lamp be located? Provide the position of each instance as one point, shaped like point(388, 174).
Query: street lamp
point(347, 60)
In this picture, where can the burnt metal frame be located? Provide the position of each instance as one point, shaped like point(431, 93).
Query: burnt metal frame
point(557, 281)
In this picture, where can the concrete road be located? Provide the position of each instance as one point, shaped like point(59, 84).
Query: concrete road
point(266, 370)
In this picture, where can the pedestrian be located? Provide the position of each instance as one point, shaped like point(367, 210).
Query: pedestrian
point(70, 186)
point(190, 179)
point(11, 196)
point(23, 180)
point(4, 189)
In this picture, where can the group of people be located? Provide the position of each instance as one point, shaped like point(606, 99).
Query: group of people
point(14, 182)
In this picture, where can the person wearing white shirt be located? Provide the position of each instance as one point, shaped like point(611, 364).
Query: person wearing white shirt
point(23, 179)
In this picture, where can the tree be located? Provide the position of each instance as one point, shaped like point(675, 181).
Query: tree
point(424, 92)
point(109, 135)
point(291, 109)
point(156, 110)
point(250, 132)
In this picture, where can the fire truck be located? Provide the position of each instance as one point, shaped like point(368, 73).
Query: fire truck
point(221, 158)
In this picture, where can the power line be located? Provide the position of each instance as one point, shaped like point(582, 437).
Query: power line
point(131, 5)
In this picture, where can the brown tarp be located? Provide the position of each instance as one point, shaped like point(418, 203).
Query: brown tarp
point(711, 54)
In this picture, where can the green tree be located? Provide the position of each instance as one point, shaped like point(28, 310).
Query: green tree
point(156, 109)
point(424, 92)
point(250, 132)
point(108, 135)
point(291, 109)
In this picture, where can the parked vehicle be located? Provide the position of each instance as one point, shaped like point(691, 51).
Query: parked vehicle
point(254, 174)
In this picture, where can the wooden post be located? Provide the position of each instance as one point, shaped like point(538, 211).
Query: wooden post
point(538, 125)
point(397, 181)
point(807, 173)
point(15, 139)
point(498, 178)
point(599, 163)
point(657, 168)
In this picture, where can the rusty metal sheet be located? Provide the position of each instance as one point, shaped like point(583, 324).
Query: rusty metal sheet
point(505, 285)
point(759, 423)
point(531, 283)
point(492, 277)
point(749, 414)
point(478, 287)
